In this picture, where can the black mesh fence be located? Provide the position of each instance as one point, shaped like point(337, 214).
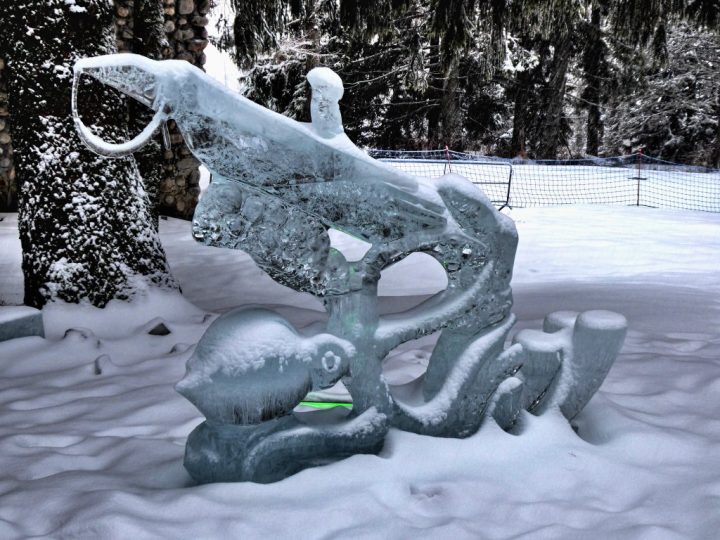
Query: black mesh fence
point(626, 180)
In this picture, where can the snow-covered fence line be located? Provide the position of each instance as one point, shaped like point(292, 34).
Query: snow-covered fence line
point(493, 178)
point(626, 180)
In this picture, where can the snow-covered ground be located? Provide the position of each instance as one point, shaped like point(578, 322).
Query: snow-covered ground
point(92, 432)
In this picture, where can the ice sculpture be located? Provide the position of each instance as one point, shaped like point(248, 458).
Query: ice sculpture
point(278, 186)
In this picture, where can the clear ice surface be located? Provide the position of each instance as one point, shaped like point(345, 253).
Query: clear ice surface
point(278, 187)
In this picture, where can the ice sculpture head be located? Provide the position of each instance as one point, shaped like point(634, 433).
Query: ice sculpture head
point(327, 89)
point(173, 86)
point(154, 84)
point(135, 76)
point(251, 366)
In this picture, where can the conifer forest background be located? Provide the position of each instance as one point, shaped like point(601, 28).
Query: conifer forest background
point(535, 79)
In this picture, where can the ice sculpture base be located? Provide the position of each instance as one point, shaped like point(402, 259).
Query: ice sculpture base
point(273, 450)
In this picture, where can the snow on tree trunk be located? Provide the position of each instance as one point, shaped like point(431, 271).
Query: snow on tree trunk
point(85, 222)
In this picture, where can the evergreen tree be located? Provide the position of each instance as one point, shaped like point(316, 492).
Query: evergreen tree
point(598, 40)
point(85, 223)
point(397, 94)
point(673, 112)
point(500, 76)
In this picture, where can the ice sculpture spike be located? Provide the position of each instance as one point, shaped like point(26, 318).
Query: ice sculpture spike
point(278, 186)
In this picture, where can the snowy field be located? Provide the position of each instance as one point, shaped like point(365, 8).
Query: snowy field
point(547, 185)
point(92, 432)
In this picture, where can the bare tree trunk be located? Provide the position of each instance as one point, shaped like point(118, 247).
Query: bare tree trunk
point(312, 31)
point(715, 156)
point(434, 127)
point(450, 122)
point(8, 189)
point(520, 113)
point(595, 130)
point(592, 61)
point(550, 133)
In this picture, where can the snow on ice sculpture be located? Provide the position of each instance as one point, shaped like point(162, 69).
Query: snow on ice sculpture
point(278, 187)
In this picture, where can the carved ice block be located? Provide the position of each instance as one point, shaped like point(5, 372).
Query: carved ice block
point(584, 345)
point(251, 366)
point(278, 187)
point(20, 321)
point(327, 89)
point(597, 338)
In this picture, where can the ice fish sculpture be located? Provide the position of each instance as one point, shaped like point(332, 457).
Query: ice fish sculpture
point(278, 187)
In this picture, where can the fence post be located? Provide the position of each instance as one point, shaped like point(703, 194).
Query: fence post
point(447, 167)
point(507, 196)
